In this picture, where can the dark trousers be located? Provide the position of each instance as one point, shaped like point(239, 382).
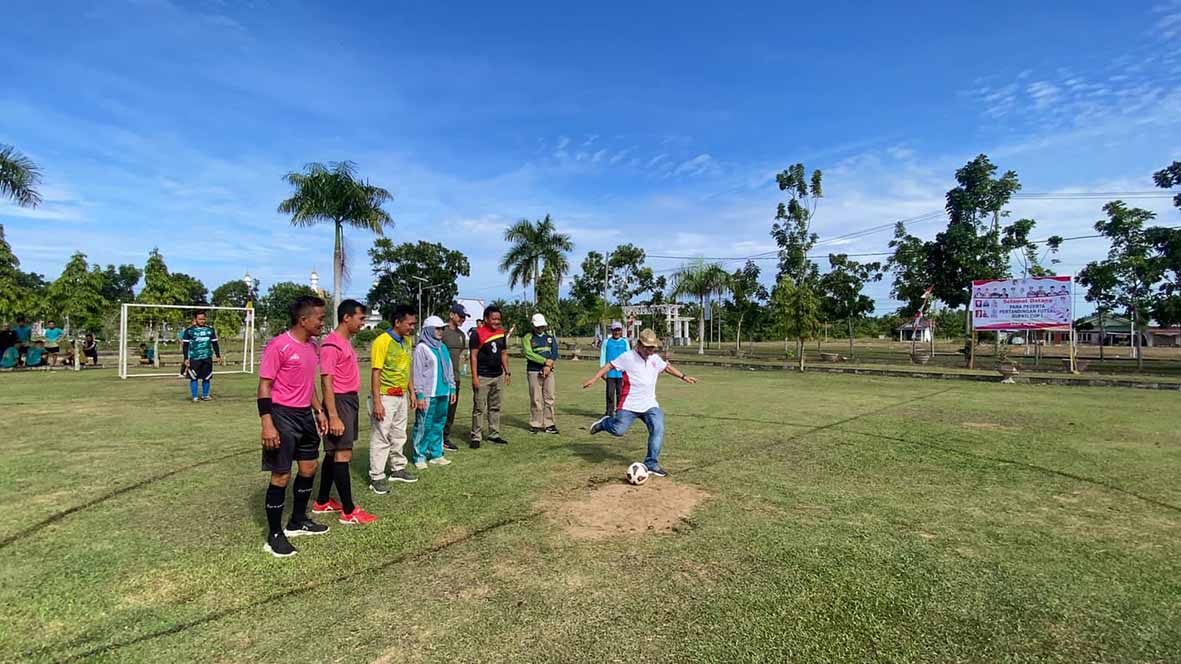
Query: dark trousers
point(614, 389)
point(451, 415)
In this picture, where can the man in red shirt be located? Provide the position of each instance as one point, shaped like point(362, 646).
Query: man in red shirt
point(292, 422)
point(340, 381)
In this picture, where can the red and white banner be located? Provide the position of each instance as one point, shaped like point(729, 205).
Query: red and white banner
point(1036, 303)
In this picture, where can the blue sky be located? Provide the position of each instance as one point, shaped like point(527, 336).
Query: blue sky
point(170, 124)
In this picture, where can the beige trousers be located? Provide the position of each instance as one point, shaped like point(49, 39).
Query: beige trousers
point(541, 400)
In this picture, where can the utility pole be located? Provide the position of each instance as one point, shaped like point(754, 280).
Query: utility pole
point(606, 279)
point(420, 281)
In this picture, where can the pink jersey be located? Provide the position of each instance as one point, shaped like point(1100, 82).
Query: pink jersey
point(339, 360)
point(291, 364)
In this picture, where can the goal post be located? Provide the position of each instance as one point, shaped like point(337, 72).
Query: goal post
point(138, 325)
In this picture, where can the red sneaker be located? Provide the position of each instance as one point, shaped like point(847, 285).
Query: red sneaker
point(333, 505)
point(357, 517)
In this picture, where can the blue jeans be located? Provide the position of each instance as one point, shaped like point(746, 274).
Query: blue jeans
point(653, 419)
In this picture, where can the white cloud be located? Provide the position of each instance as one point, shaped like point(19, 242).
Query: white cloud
point(702, 163)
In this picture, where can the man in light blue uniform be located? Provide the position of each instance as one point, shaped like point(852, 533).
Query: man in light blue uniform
point(610, 349)
point(53, 334)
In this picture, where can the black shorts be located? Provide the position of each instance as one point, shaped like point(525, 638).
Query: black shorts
point(347, 406)
point(299, 440)
point(201, 369)
point(53, 350)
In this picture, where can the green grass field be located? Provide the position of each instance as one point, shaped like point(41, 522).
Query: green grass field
point(837, 518)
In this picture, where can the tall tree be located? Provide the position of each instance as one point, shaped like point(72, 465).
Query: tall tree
point(1101, 281)
point(590, 284)
point(233, 293)
point(841, 288)
point(747, 296)
point(908, 263)
point(629, 277)
point(78, 294)
point(272, 311)
point(548, 304)
point(1131, 257)
point(792, 231)
point(20, 292)
point(1169, 177)
point(396, 267)
point(1166, 304)
point(119, 283)
point(700, 280)
point(334, 194)
point(973, 246)
point(796, 307)
point(162, 287)
point(530, 244)
point(19, 177)
point(192, 290)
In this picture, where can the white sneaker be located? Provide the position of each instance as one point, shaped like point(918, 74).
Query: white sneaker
point(441, 461)
point(421, 465)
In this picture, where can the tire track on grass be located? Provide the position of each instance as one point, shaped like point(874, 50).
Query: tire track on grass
point(293, 592)
point(1046, 470)
point(58, 516)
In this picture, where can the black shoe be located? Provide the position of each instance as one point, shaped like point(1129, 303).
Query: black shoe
point(450, 446)
point(598, 425)
point(402, 476)
point(475, 445)
point(499, 441)
point(535, 429)
point(553, 430)
point(657, 470)
point(305, 527)
point(278, 546)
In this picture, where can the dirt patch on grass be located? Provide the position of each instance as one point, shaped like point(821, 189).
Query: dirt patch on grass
point(660, 506)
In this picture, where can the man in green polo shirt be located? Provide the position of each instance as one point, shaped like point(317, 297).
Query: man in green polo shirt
point(393, 399)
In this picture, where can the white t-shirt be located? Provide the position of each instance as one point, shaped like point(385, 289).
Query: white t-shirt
point(639, 380)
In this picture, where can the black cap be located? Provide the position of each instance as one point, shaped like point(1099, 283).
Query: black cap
point(458, 309)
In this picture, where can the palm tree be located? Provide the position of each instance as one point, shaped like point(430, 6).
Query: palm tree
point(333, 194)
point(700, 280)
point(19, 177)
point(534, 242)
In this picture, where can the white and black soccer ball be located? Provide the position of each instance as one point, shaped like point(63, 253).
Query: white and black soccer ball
point(637, 473)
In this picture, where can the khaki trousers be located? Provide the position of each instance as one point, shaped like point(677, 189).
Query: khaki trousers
point(486, 404)
point(541, 400)
point(388, 437)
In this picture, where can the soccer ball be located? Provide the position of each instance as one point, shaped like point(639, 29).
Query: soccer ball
point(637, 473)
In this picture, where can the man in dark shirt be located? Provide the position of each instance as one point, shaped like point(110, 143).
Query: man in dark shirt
point(490, 374)
point(455, 341)
point(7, 338)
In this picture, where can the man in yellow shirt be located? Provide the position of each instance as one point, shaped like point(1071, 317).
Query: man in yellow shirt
point(393, 399)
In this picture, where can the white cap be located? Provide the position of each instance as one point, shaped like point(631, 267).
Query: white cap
point(616, 325)
point(433, 321)
point(539, 321)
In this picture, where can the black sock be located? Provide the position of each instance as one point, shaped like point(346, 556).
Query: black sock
point(303, 493)
point(326, 476)
point(274, 508)
point(344, 485)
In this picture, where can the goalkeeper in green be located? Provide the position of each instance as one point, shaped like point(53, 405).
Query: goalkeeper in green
point(198, 345)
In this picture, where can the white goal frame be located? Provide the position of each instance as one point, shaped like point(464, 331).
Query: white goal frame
point(247, 333)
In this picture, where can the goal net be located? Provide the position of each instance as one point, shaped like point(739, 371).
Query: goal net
point(149, 338)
